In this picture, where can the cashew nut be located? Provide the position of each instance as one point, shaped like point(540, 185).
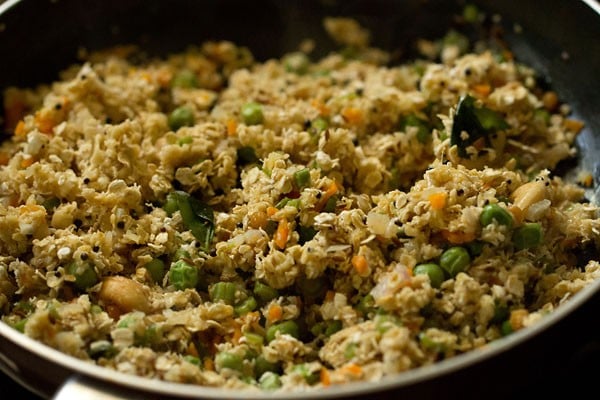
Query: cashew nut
point(121, 295)
point(528, 194)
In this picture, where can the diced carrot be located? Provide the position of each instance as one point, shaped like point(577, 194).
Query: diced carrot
point(145, 75)
point(231, 126)
point(438, 200)
point(329, 295)
point(360, 264)
point(44, 121)
point(31, 208)
point(282, 233)
point(321, 107)
point(257, 220)
point(331, 190)
point(4, 158)
point(163, 77)
point(20, 128)
point(353, 369)
point(325, 377)
point(237, 334)
point(209, 364)
point(517, 317)
point(192, 350)
point(27, 162)
point(271, 211)
point(550, 100)
point(458, 237)
point(482, 90)
point(275, 312)
point(585, 179)
point(353, 115)
point(573, 125)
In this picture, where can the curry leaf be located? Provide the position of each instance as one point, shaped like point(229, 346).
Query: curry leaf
point(477, 122)
point(197, 217)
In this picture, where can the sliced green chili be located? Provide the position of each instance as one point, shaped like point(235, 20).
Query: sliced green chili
point(197, 216)
point(223, 291)
point(478, 122)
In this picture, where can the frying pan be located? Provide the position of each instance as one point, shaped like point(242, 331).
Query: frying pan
point(560, 39)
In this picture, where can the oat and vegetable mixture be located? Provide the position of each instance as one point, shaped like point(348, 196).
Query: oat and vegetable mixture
point(294, 223)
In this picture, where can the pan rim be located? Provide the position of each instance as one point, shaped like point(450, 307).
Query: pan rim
point(395, 381)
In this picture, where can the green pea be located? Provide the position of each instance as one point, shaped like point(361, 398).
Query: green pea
point(305, 233)
point(542, 116)
point(185, 79)
point(310, 377)
point(185, 140)
point(350, 351)
point(96, 309)
point(296, 203)
point(384, 323)
point(180, 254)
point(20, 325)
point(269, 381)
point(296, 62)
point(229, 360)
point(156, 269)
point(435, 273)
point(332, 327)
point(318, 125)
point(261, 365)
point(318, 328)
point(246, 306)
point(247, 155)
point(101, 348)
point(254, 339)
point(84, 273)
point(223, 291)
point(180, 117)
point(264, 292)
point(129, 320)
point(252, 113)
point(454, 260)
point(170, 206)
point(151, 335)
point(366, 305)
point(286, 201)
point(331, 204)
point(506, 328)
point(493, 212)
point(429, 344)
point(51, 203)
point(528, 235)
point(183, 275)
point(286, 327)
point(192, 359)
point(302, 178)
point(501, 313)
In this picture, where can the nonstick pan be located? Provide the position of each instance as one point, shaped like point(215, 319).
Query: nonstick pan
point(560, 39)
